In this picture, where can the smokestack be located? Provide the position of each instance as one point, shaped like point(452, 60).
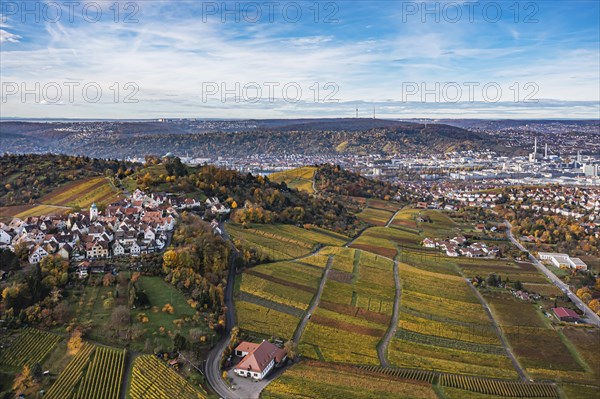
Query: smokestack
point(535, 145)
point(546, 151)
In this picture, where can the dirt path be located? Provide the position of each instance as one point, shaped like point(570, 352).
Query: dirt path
point(392, 218)
point(127, 370)
point(382, 348)
point(315, 303)
point(507, 348)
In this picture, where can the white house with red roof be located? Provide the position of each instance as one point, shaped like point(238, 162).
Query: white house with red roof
point(258, 359)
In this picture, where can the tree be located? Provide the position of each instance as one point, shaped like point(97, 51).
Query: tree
point(9, 260)
point(291, 348)
point(75, 342)
point(36, 371)
point(24, 384)
point(108, 279)
point(492, 280)
point(179, 342)
point(120, 316)
point(595, 305)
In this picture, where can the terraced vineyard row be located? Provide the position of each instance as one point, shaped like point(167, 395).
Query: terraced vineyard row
point(64, 386)
point(487, 386)
point(413, 336)
point(31, 347)
point(264, 302)
point(153, 379)
point(103, 377)
point(281, 238)
point(499, 388)
point(406, 374)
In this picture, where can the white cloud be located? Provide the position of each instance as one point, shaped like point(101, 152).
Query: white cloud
point(7, 37)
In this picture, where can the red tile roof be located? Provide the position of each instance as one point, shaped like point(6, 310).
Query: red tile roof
point(259, 359)
point(564, 312)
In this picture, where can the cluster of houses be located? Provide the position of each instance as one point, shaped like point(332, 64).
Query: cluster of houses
point(474, 199)
point(131, 227)
point(458, 246)
point(563, 261)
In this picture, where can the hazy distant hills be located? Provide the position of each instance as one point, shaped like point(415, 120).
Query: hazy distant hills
point(239, 138)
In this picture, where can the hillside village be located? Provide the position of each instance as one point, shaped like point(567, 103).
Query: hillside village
point(458, 246)
point(139, 225)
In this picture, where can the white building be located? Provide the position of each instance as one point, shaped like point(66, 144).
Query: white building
point(563, 260)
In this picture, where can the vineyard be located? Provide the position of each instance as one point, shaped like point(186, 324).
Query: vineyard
point(282, 242)
point(32, 346)
point(64, 386)
point(153, 379)
point(288, 283)
point(103, 376)
point(499, 388)
point(405, 374)
point(377, 217)
point(488, 386)
point(354, 312)
point(265, 321)
point(313, 379)
point(299, 178)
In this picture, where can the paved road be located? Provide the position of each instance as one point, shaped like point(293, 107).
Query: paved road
point(243, 388)
point(592, 318)
point(382, 348)
point(507, 348)
point(213, 361)
point(313, 306)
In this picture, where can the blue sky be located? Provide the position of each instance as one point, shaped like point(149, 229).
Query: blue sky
point(152, 59)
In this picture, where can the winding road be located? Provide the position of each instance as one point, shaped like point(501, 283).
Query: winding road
point(213, 361)
point(592, 317)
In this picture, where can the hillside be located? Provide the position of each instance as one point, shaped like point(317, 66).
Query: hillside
point(28, 178)
point(307, 137)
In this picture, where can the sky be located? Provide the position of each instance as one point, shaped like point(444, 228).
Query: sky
point(287, 59)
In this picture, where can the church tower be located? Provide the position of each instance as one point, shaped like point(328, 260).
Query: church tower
point(93, 212)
